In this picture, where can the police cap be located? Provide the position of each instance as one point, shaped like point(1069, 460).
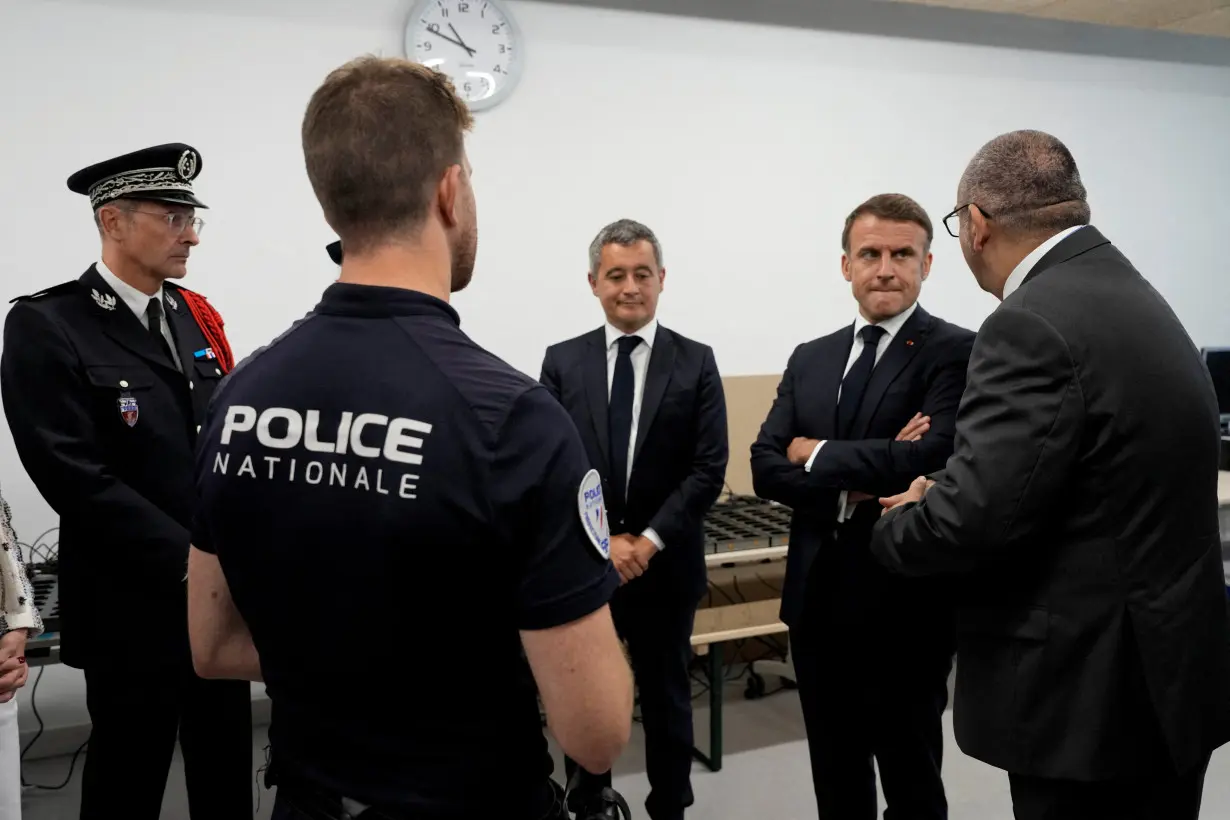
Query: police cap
point(335, 251)
point(163, 173)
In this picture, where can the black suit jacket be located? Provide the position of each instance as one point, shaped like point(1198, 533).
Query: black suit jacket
point(681, 450)
point(124, 493)
point(922, 370)
point(1083, 491)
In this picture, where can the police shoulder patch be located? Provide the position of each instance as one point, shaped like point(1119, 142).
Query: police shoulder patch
point(593, 513)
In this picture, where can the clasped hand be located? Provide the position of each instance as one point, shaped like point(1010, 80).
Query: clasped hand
point(631, 555)
point(13, 668)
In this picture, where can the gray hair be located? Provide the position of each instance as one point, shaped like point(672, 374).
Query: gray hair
point(123, 204)
point(622, 232)
point(1027, 181)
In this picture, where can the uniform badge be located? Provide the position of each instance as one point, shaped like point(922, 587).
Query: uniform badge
point(104, 300)
point(207, 353)
point(593, 513)
point(171, 301)
point(129, 410)
point(186, 167)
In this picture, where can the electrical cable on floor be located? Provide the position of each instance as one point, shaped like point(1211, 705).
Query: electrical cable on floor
point(41, 726)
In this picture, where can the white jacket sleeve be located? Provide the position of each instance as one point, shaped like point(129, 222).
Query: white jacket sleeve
point(17, 610)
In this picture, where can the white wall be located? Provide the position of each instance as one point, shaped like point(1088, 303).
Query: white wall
point(743, 145)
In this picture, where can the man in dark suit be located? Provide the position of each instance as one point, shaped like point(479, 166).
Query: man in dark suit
point(857, 412)
point(1093, 641)
point(105, 382)
point(651, 411)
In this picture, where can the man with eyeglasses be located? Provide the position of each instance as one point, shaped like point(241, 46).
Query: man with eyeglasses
point(105, 381)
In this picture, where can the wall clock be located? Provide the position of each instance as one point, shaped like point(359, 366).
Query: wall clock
point(475, 42)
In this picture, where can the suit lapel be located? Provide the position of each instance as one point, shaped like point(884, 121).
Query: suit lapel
point(831, 369)
point(118, 321)
point(657, 377)
point(182, 326)
point(903, 347)
point(596, 392)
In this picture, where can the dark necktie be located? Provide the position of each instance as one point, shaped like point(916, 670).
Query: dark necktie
point(619, 415)
point(855, 383)
point(154, 313)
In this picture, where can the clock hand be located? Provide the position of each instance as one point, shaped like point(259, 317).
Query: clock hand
point(460, 42)
point(451, 40)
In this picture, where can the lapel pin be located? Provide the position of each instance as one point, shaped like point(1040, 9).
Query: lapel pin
point(909, 342)
point(171, 301)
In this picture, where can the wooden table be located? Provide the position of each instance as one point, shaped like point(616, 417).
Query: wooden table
point(714, 643)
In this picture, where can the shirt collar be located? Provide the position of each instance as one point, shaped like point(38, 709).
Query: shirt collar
point(346, 299)
point(137, 301)
point(648, 333)
point(890, 326)
point(1017, 277)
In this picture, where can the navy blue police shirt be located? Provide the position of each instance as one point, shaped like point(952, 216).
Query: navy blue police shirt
point(391, 504)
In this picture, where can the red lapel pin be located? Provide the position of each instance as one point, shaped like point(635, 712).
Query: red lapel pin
point(909, 342)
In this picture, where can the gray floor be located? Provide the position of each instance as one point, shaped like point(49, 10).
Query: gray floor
point(765, 775)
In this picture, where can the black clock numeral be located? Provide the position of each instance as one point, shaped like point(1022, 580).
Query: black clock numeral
point(444, 13)
point(497, 70)
point(503, 48)
point(463, 7)
point(426, 46)
point(469, 86)
point(495, 29)
point(433, 27)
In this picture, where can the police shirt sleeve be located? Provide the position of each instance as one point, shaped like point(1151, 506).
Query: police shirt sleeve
point(550, 502)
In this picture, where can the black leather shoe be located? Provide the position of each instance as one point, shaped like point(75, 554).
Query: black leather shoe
point(606, 805)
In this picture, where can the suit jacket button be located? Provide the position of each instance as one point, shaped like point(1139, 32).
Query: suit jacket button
point(191, 386)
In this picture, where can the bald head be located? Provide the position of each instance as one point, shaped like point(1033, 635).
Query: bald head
point(1027, 183)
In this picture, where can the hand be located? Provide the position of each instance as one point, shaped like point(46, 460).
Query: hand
point(918, 488)
point(13, 668)
point(800, 450)
point(914, 429)
point(631, 555)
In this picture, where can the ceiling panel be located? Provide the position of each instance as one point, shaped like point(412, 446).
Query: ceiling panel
point(1207, 17)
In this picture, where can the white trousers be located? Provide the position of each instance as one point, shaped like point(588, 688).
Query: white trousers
point(10, 762)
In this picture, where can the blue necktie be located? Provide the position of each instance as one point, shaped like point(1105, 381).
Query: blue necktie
point(854, 385)
point(619, 415)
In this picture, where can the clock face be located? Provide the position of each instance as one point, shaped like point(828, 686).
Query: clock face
point(475, 42)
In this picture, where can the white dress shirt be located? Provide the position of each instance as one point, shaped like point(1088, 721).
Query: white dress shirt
point(1035, 256)
point(891, 328)
point(640, 366)
point(138, 302)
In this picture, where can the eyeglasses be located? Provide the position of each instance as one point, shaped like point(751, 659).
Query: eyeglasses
point(953, 223)
point(177, 223)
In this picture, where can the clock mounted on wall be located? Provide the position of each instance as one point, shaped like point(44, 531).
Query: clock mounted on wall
point(475, 42)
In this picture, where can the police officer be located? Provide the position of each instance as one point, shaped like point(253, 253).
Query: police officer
point(105, 380)
point(373, 482)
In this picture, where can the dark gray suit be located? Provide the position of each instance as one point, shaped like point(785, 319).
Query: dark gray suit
point(1093, 645)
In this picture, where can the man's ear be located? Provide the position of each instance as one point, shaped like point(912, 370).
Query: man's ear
point(593, 283)
point(661, 278)
point(448, 193)
point(845, 268)
point(981, 230)
point(926, 271)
